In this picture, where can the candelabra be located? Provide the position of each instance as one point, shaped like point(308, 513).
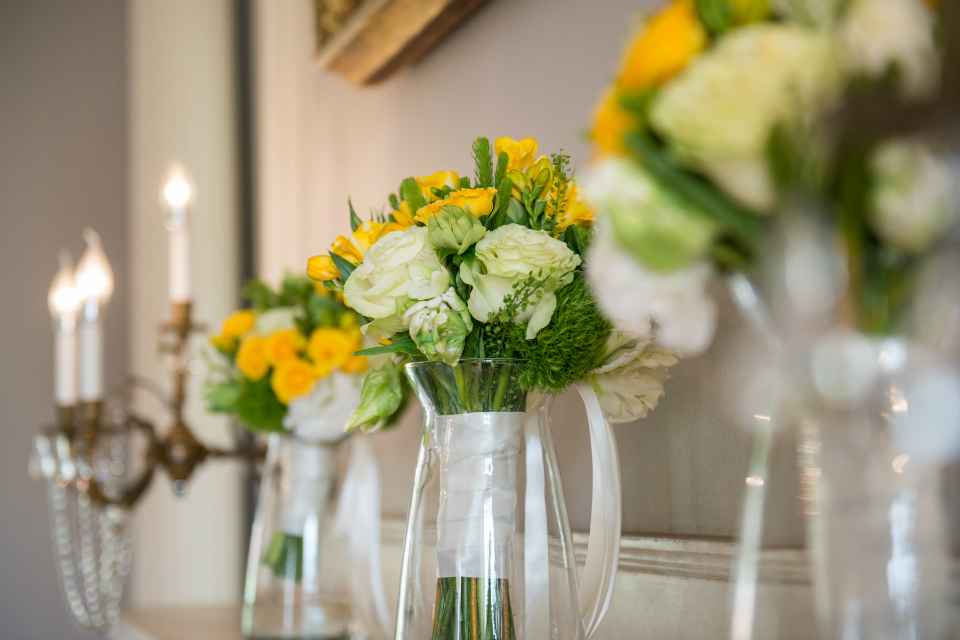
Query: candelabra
point(87, 459)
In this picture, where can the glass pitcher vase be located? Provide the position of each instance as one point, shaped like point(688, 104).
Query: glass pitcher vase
point(468, 570)
point(294, 586)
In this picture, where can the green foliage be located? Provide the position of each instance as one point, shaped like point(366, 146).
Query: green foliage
point(410, 191)
point(502, 161)
point(222, 397)
point(504, 195)
point(393, 201)
point(483, 159)
point(559, 188)
point(257, 406)
point(259, 294)
point(567, 349)
point(355, 220)
point(344, 266)
point(401, 345)
point(716, 16)
point(285, 556)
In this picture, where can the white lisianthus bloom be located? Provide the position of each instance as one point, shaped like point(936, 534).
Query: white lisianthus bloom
point(629, 383)
point(720, 111)
point(274, 320)
point(914, 197)
point(631, 296)
point(399, 267)
point(878, 35)
point(508, 255)
point(322, 414)
point(439, 326)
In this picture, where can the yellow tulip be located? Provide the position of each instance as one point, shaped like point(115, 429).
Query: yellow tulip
point(353, 248)
point(239, 323)
point(283, 345)
point(438, 180)
point(663, 47)
point(252, 358)
point(292, 379)
point(611, 122)
point(224, 344)
point(425, 213)
point(330, 348)
point(519, 154)
point(323, 269)
point(403, 215)
point(480, 201)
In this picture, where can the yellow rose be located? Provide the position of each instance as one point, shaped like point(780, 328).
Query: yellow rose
point(353, 248)
point(252, 358)
point(354, 364)
point(323, 269)
point(574, 209)
point(480, 201)
point(663, 47)
point(223, 343)
point(403, 215)
point(611, 122)
point(292, 379)
point(425, 213)
point(330, 348)
point(438, 180)
point(239, 323)
point(519, 154)
point(283, 345)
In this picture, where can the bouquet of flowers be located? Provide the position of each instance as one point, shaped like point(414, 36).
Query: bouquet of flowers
point(487, 272)
point(715, 121)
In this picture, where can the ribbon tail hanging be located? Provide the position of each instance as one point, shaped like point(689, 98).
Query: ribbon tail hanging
point(603, 546)
point(536, 562)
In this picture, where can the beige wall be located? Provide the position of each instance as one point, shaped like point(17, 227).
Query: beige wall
point(520, 68)
point(182, 93)
point(62, 167)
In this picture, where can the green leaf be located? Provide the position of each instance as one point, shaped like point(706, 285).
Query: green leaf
point(410, 191)
point(394, 202)
point(222, 397)
point(716, 15)
point(483, 160)
point(502, 161)
point(574, 239)
point(259, 294)
point(463, 183)
point(344, 266)
point(504, 196)
point(515, 212)
point(257, 406)
point(401, 345)
point(355, 220)
point(737, 222)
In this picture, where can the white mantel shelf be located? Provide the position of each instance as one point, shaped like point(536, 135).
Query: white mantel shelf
point(668, 588)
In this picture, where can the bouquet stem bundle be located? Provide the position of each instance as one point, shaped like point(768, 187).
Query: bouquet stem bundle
point(473, 609)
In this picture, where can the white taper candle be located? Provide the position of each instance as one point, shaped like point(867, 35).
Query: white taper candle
point(180, 263)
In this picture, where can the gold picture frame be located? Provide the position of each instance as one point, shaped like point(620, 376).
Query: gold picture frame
point(368, 41)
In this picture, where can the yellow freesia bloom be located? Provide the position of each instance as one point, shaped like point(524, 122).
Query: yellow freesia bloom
point(574, 209)
point(354, 364)
point(438, 180)
point(403, 215)
point(663, 47)
point(519, 154)
point(224, 344)
point(292, 379)
point(330, 348)
point(283, 345)
point(323, 269)
point(430, 210)
point(519, 180)
point(480, 201)
point(353, 248)
point(611, 122)
point(252, 358)
point(239, 323)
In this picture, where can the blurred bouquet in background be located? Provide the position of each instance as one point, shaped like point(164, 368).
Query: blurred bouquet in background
point(720, 115)
point(288, 363)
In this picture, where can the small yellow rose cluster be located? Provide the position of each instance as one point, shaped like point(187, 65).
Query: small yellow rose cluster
point(293, 361)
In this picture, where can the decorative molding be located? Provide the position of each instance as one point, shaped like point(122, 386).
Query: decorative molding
point(383, 36)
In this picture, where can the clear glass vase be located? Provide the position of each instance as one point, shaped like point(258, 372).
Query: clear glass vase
point(889, 422)
point(296, 574)
point(463, 574)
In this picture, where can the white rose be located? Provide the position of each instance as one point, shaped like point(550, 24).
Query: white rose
point(629, 383)
point(914, 200)
point(321, 415)
point(275, 320)
point(631, 296)
point(723, 107)
point(508, 255)
point(398, 268)
point(880, 34)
